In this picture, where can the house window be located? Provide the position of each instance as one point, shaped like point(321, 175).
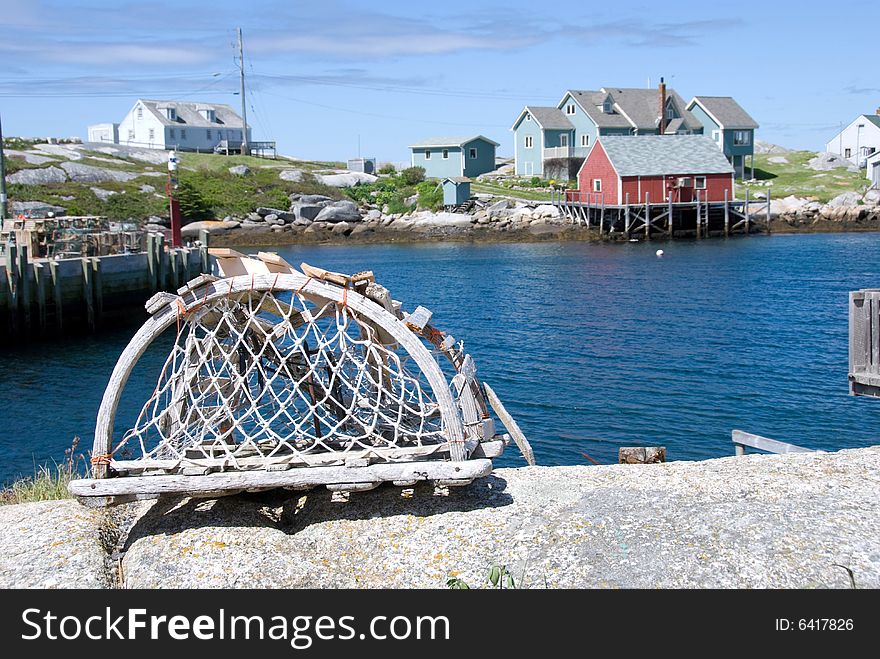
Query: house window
point(131, 136)
point(172, 114)
point(171, 133)
point(472, 154)
point(219, 134)
point(427, 155)
point(670, 113)
point(530, 141)
point(742, 138)
point(607, 107)
point(445, 154)
point(528, 117)
point(700, 183)
point(152, 134)
point(209, 133)
point(140, 114)
point(183, 133)
point(569, 109)
point(563, 140)
point(716, 135)
point(597, 185)
point(585, 140)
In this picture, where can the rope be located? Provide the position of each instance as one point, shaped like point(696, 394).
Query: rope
point(103, 459)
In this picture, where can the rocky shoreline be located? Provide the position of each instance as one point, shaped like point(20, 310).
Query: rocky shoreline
point(316, 219)
point(757, 521)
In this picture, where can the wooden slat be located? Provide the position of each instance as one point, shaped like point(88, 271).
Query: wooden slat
point(512, 427)
point(743, 439)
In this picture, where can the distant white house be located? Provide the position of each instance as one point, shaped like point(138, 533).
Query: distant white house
point(873, 167)
point(858, 140)
point(103, 133)
point(181, 125)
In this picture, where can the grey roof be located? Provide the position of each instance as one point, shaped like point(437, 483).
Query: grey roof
point(188, 114)
point(655, 155)
point(590, 102)
point(634, 108)
point(726, 112)
point(456, 179)
point(547, 118)
point(873, 118)
point(457, 141)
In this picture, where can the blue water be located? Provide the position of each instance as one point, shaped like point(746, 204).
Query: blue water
point(590, 346)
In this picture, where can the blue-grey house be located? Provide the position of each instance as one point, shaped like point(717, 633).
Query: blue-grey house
point(456, 190)
point(730, 126)
point(454, 156)
point(552, 142)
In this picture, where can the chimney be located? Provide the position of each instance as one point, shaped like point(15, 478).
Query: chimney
point(878, 111)
point(662, 107)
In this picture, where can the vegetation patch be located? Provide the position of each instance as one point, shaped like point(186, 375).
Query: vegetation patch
point(796, 178)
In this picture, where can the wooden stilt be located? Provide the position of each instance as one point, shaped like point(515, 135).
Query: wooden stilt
point(626, 217)
point(669, 217)
point(162, 260)
point(40, 275)
point(56, 294)
point(152, 265)
point(726, 213)
point(747, 219)
point(24, 282)
point(699, 219)
point(87, 282)
point(768, 207)
point(97, 290)
point(647, 216)
point(12, 282)
point(602, 216)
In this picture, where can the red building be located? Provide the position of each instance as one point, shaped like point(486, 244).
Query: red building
point(653, 168)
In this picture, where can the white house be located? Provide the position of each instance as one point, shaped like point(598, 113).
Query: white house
point(873, 167)
point(858, 140)
point(180, 125)
point(103, 133)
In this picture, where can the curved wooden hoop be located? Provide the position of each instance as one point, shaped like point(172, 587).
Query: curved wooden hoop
point(165, 317)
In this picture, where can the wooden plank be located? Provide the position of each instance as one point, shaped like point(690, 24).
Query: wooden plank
point(159, 300)
point(647, 216)
point(97, 290)
point(24, 283)
point(195, 283)
point(152, 264)
point(726, 213)
point(641, 454)
point(512, 427)
point(57, 296)
point(204, 239)
point(418, 319)
point(325, 275)
point(40, 275)
point(87, 281)
point(408, 471)
point(747, 439)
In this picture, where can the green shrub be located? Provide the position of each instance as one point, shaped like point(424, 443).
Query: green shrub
point(412, 175)
point(535, 181)
point(388, 168)
point(430, 195)
point(398, 205)
point(193, 205)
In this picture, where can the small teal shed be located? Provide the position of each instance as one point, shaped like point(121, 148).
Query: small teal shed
point(454, 156)
point(456, 190)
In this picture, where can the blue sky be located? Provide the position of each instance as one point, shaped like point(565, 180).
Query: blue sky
point(325, 74)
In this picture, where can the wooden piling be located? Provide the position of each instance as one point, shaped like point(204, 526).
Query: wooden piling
point(747, 219)
point(40, 275)
point(602, 215)
point(24, 282)
point(56, 294)
point(669, 216)
point(97, 290)
point(699, 219)
point(87, 284)
point(13, 287)
point(726, 213)
point(152, 264)
point(647, 216)
point(768, 202)
point(626, 216)
point(162, 261)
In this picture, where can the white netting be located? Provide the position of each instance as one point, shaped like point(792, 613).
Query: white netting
point(258, 378)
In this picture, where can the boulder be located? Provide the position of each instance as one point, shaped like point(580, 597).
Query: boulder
point(824, 162)
point(294, 175)
point(36, 208)
point(345, 179)
point(766, 147)
point(89, 174)
point(40, 176)
point(341, 228)
point(546, 210)
point(240, 170)
point(845, 199)
point(307, 212)
point(498, 206)
point(192, 229)
point(778, 160)
point(872, 197)
point(441, 220)
point(374, 215)
point(272, 218)
point(147, 188)
point(340, 211)
point(313, 199)
point(29, 157)
point(102, 194)
point(254, 217)
point(66, 152)
point(263, 211)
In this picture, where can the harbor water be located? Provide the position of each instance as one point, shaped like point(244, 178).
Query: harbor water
point(590, 346)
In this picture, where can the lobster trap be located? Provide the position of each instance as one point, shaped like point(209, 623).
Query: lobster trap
point(286, 378)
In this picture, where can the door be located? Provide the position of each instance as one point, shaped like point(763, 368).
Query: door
point(563, 141)
point(530, 169)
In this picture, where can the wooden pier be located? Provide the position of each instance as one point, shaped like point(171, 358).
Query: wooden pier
point(48, 296)
point(663, 219)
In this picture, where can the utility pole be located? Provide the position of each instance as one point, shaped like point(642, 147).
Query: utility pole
point(173, 202)
point(245, 148)
point(2, 178)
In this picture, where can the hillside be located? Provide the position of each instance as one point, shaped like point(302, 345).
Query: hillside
point(124, 183)
point(789, 173)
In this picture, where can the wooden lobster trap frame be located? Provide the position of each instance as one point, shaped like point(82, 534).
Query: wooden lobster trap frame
point(294, 379)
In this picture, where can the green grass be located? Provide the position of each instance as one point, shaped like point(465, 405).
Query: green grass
point(795, 178)
point(47, 483)
point(495, 189)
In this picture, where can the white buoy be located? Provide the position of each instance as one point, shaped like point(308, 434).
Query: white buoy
point(659, 252)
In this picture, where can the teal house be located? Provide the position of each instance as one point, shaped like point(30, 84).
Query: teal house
point(444, 157)
point(553, 142)
point(731, 127)
point(456, 190)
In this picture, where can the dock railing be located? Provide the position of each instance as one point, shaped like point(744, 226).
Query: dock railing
point(742, 440)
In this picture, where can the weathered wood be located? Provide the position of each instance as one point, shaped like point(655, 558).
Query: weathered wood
point(647, 216)
point(97, 290)
point(152, 264)
point(405, 471)
point(512, 427)
point(626, 216)
point(164, 318)
point(58, 299)
point(159, 300)
point(726, 213)
point(24, 283)
point(742, 440)
point(204, 239)
point(669, 217)
point(641, 454)
point(87, 286)
point(40, 276)
point(418, 319)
